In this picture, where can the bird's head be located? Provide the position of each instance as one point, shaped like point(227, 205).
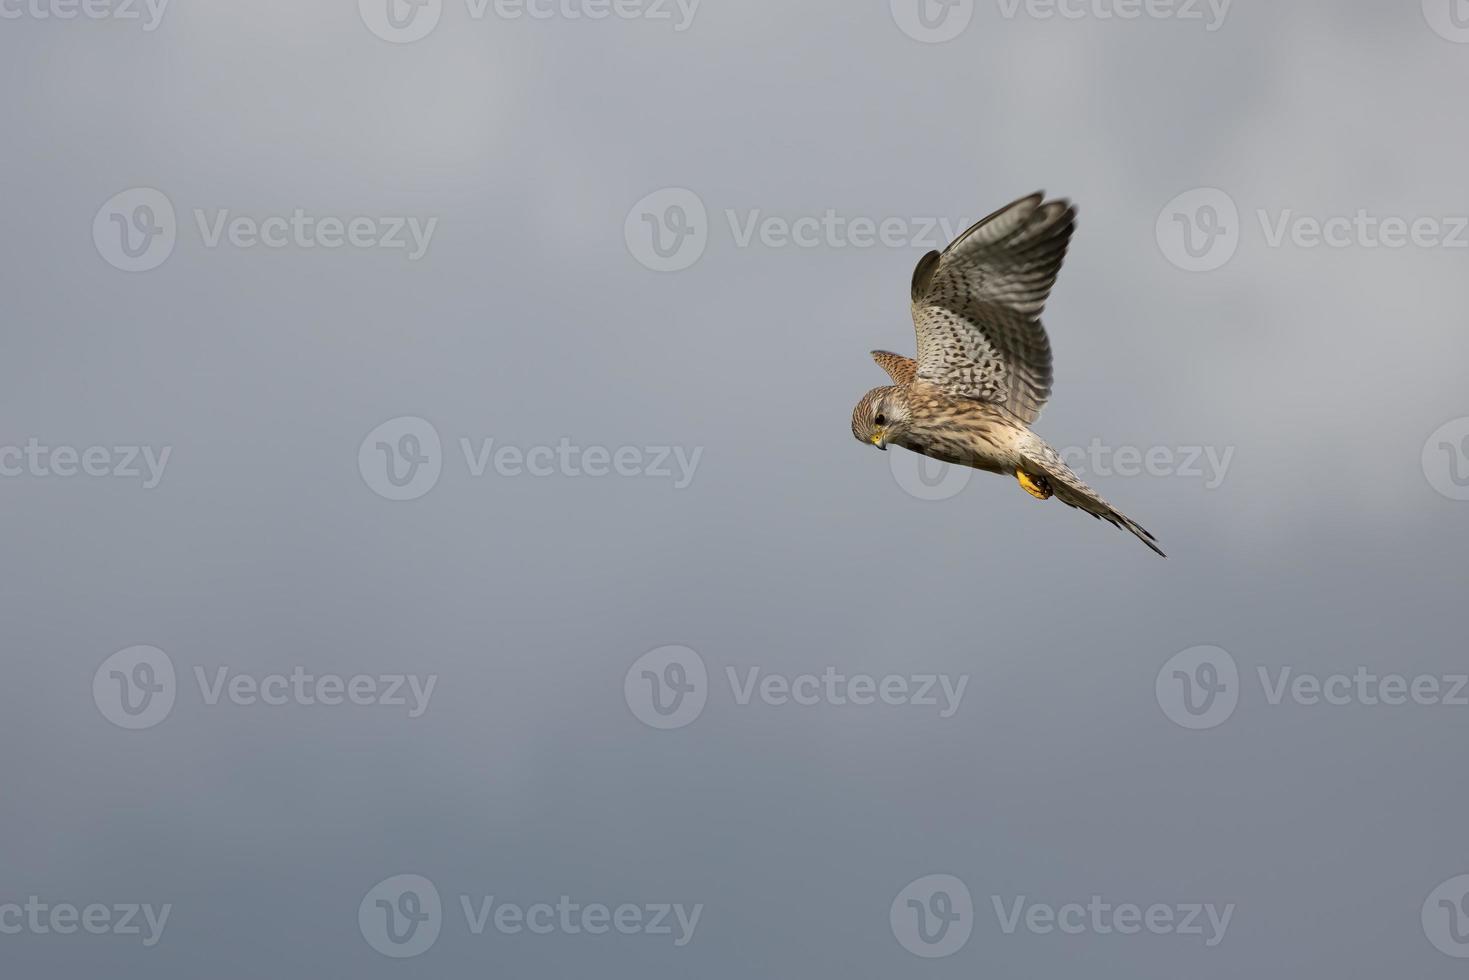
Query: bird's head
point(881, 417)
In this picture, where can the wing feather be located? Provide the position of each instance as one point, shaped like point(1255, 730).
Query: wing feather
point(977, 306)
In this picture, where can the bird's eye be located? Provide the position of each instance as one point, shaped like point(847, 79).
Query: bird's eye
point(881, 420)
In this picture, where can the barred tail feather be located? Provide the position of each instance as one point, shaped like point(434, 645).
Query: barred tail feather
point(1072, 492)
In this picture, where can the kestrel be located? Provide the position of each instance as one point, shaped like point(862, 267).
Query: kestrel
point(984, 362)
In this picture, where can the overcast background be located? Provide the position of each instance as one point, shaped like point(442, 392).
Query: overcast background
point(1332, 541)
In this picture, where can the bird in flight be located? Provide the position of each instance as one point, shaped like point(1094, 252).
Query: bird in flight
point(984, 361)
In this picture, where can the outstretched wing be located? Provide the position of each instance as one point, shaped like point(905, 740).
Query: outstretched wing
point(901, 369)
point(977, 306)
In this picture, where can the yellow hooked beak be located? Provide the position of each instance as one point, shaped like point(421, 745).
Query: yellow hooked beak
point(877, 439)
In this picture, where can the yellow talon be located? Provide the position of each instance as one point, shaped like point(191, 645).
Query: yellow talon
point(1038, 487)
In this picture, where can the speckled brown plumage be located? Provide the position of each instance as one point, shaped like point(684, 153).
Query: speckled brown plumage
point(983, 370)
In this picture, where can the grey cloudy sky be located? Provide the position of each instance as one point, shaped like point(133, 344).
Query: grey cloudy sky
point(376, 507)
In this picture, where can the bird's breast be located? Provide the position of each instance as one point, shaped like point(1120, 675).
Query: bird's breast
point(964, 436)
